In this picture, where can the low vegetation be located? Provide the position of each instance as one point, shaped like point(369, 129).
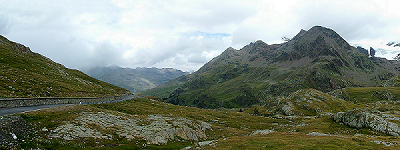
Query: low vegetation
point(231, 128)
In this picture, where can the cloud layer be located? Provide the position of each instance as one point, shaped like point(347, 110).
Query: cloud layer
point(180, 34)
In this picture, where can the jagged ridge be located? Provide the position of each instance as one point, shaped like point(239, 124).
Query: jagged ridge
point(318, 58)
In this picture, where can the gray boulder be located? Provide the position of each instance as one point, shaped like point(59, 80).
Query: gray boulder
point(363, 119)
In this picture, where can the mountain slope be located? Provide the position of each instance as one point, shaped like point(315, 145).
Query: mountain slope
point(24, 73)
point(135, 80)
point(318, 58)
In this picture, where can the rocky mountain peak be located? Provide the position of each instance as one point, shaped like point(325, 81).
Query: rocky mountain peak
point(316, 42)
point(322, 34)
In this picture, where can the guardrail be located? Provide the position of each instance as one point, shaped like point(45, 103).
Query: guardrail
point(22, 102)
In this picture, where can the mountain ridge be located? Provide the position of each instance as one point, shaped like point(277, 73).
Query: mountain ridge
point(318, 58)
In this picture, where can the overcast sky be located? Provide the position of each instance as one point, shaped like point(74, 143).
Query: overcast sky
point(182, 34)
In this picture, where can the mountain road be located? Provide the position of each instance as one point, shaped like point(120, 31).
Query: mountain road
point(16, 110)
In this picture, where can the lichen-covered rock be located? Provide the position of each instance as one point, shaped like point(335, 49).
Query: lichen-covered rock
point(362, 119)
point(317, 134)
point(288, 109)
point(155, 129)
point(262, 132)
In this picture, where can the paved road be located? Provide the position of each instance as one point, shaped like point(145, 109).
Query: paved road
point(15, 110)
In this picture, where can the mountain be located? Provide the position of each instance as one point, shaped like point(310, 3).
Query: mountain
point(318, 58)
point(135, 80)
point(24, 73)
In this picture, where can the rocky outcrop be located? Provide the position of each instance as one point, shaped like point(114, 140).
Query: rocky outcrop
point(155, 129)
point(288, 109)
point(363, 119)
point(317, 134)
point(15, 46)
point(262, 132)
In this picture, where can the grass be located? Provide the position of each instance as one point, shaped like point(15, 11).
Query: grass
point(279, 140)
point(372, 94)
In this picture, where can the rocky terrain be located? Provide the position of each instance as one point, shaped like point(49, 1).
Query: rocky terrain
point(154, 129)
point(363, 119)
point(304, 117)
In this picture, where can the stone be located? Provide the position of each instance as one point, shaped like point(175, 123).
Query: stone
point(262, 132)
point(384, 143)
point(204, 143)
point(159, 130)
point(362, 119)
point(13, 136)
point(317, 134)
point(45, 129)
point(288, 109)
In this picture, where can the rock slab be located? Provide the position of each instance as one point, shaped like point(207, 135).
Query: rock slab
point(363, 119)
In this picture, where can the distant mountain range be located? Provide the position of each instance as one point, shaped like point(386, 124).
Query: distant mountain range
point(135, 80)
point(318, 58)
point(24, 73)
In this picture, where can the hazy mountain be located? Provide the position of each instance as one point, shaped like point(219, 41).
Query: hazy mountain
point(135, 80)
point(318, 58)
point(24, 73)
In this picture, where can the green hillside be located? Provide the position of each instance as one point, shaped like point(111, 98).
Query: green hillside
point(24, 73)
point(318, 58)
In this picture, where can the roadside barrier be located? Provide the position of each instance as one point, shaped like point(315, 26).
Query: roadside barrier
point(22, 102)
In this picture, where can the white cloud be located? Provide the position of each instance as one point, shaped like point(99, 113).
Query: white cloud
point(180, 34)
point(4, 24)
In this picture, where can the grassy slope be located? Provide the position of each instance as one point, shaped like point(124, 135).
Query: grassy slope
point(27, 74)
point(389, 91)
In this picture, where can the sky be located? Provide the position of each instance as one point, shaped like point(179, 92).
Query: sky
point(185, 34)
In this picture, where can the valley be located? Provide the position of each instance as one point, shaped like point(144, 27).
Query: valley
point(134, 80)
